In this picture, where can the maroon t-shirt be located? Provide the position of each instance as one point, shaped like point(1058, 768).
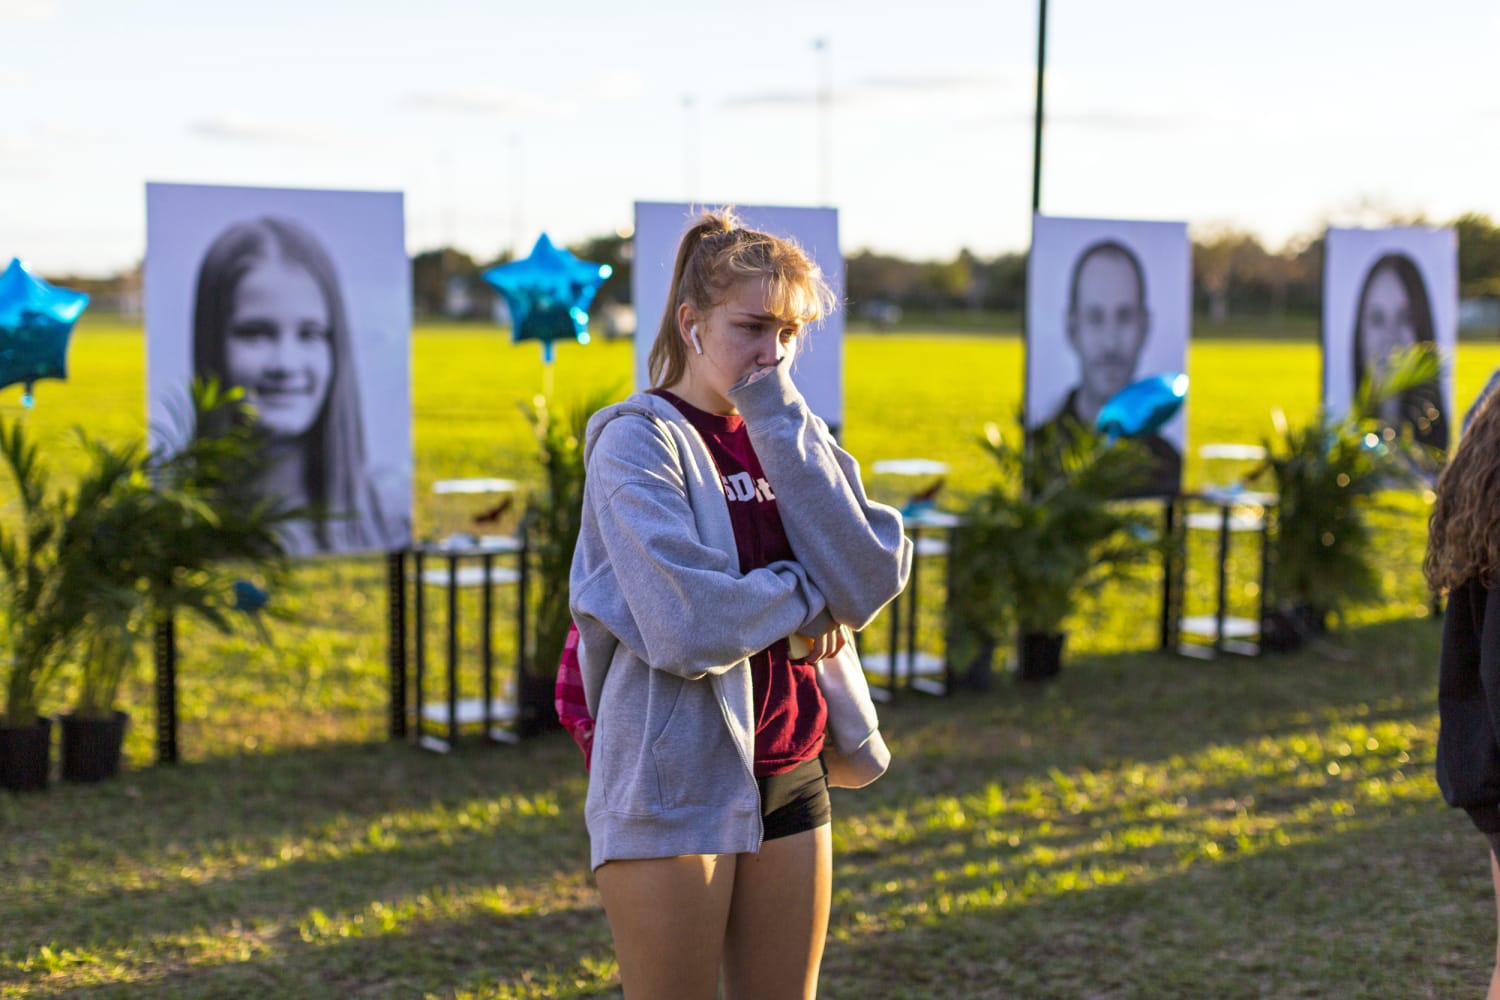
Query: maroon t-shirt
point(789, 709)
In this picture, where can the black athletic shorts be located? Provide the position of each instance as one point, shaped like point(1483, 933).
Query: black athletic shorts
point(795, 801)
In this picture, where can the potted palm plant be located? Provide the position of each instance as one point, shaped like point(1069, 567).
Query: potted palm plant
point(44, 609)
point(88, 571)
point(1329, 475)
point(96, 561)
point(551, 525)
point(1047, 532)
point(162, 533)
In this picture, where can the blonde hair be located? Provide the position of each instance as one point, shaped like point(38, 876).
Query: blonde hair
point(715, 255)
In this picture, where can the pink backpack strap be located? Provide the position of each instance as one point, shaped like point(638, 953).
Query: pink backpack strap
point(568, 697)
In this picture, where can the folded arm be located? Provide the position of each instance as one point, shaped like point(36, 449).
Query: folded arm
point(854, 548)
point(643, 572)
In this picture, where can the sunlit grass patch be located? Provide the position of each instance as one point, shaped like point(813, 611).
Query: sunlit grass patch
point(1147, 826)
point(1062, 832)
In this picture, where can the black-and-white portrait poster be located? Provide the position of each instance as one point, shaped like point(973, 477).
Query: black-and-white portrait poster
point(303, 299)
point(1108, 303)
point(819, 367)
point(1385, 290)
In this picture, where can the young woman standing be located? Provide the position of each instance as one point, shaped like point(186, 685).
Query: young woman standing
point(727, 545)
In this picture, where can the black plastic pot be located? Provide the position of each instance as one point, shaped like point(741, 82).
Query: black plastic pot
point(1286, 629)
point(25, 756)
point(536, 704)
point(1040, 656)
point(91, 747)
point(980, 670)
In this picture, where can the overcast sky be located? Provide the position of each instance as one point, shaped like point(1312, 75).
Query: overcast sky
point(501, 120)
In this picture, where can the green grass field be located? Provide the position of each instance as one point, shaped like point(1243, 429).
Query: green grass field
point(1286, 326)
point(1148, 826)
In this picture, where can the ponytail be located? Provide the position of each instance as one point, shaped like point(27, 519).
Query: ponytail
point(668, 359)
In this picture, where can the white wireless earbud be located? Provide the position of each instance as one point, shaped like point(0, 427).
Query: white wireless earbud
point(693, 333)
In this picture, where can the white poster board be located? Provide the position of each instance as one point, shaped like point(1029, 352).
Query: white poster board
point(1108, 302)
point(303, 298)
point(1383, 290)
point(819, 367)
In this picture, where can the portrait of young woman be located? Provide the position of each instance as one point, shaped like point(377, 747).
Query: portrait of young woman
point(1394, 313)
point(270, 318)
point(301, 299)
point(1386, 291)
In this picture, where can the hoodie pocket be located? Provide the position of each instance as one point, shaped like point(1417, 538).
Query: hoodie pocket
point(697, 763)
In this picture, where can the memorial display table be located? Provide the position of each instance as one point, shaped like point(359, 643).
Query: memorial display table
point(903, 659)
point(1227, 513)
point(475, 563)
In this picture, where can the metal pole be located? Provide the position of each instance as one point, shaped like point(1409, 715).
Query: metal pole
point(691, 144)
point(486, 652)
point(1036, 145)
point(518, 201)
point(1221, 609)
point(911, 608)
point(1168, 572)
point(452, 652)
point(419, 624)
point(396, 641)
point(1036, 201)
point(166, 692)
point(825, 124)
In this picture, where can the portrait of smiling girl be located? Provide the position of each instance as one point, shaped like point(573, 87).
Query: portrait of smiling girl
point(269, 317)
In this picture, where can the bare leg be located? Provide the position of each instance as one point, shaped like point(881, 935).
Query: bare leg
point(668, 916)
point(1494, 993)
point(778, 921)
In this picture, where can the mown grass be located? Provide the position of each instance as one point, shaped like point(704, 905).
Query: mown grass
point(1147, 826)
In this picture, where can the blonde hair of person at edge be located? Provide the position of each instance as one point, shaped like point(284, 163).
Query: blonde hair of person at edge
point(726, 548)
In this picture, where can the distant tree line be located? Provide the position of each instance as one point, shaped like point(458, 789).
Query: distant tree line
point(1234, 274)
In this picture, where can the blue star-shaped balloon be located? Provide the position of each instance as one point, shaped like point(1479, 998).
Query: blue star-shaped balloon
point(548, 294)
point(35, 322)
point(1142, 407)
point(248, 597)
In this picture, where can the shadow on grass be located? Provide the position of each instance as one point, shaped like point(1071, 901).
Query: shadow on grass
point(1104, 709)
point(1298, 921)
point(1398, 905)
point(554, 954)
point(170, 850)
point(1095, 822)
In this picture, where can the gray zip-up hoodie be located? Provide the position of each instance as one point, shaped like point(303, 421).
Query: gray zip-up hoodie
point(667, 621)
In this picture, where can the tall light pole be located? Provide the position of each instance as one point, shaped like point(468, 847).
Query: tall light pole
point(1036, 199)
point(445, 165)
point(1036, 144)
point(825, 123)
point(517, 200)
point(690, 148)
